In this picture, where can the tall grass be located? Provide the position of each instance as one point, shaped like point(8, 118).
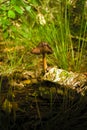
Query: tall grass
point(57, 33)
point(81, 40)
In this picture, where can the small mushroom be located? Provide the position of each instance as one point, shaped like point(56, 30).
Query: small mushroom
point(43, 48)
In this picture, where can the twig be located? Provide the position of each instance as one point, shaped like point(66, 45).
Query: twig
point(78, 38)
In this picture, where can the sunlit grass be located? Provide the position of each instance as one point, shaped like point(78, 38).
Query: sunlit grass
point(56, 32)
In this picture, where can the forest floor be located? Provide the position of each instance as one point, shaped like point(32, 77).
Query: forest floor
point(28, 103)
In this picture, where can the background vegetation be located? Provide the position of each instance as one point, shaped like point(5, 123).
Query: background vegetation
point(63, 24)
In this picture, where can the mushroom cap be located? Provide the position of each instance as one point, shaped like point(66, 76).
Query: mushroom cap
point(42, 48)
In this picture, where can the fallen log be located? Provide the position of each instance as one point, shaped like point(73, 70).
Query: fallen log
point(73, 80)
point(33, 103)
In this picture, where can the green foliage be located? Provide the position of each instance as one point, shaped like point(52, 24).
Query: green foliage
point(18, 10)
point(11, 14)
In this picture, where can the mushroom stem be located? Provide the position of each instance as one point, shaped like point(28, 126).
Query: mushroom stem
point(44, 62)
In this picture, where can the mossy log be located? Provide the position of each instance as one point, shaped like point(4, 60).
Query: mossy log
point(34, 103)
point(73, 80)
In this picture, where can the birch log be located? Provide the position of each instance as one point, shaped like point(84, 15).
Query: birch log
point(73, 80)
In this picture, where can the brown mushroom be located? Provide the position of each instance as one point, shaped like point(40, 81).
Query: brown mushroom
point(43, 48)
